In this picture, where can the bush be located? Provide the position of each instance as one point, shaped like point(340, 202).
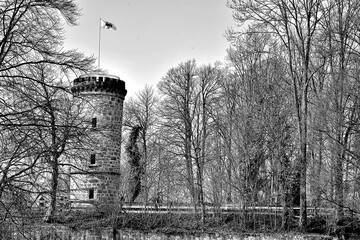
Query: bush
point(345, 228)
point(317, 224)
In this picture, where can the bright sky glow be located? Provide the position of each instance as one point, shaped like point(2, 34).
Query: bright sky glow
point(152, 36)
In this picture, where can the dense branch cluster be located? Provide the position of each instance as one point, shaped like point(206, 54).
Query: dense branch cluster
point(276, 124)
point(41, 125)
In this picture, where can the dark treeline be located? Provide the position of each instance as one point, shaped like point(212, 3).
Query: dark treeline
point(276, 124)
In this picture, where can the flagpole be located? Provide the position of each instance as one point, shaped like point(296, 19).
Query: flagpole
point(99, 42)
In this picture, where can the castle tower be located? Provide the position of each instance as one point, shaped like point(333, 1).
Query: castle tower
point(98, 181)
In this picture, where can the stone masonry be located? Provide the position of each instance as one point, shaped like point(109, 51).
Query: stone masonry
point(98, 181)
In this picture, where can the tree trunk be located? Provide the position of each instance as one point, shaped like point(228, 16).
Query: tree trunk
point(189, 164)
point(50, 213)
point(339, 186)
point(318, 174)
point(188, 138)
point(54, 164)
point(284, 178)
point(303, 159)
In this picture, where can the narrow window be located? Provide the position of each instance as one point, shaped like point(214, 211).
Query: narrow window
point(92, 158)
point(42, 202)
point(91, 193)
point(93, 122)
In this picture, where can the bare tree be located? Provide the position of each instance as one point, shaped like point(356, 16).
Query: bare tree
point(208, 85)
point(261, 100)
point(340, 19)
point(295, 24)
point(141, 111)
point(178, 90)
point(37, 109)
point(223, 116)
point(32, 33)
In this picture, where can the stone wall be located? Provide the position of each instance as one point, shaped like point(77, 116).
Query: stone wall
point(102, 98)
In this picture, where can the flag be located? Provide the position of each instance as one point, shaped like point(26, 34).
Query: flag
point(107, 25)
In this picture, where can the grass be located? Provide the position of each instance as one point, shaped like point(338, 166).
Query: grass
point(191, 224)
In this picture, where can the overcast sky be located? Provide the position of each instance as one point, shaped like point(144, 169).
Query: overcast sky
point(152, 36)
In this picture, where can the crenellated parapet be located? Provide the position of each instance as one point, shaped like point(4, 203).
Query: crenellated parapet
point(99, 83)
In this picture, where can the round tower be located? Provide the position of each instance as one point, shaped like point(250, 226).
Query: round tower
point(97, 180)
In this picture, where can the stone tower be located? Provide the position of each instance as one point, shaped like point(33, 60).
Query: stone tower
point(97, 183)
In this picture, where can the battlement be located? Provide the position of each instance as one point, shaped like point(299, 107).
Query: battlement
point(99, 83)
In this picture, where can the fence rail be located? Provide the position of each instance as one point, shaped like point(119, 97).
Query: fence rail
point(224, 209)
